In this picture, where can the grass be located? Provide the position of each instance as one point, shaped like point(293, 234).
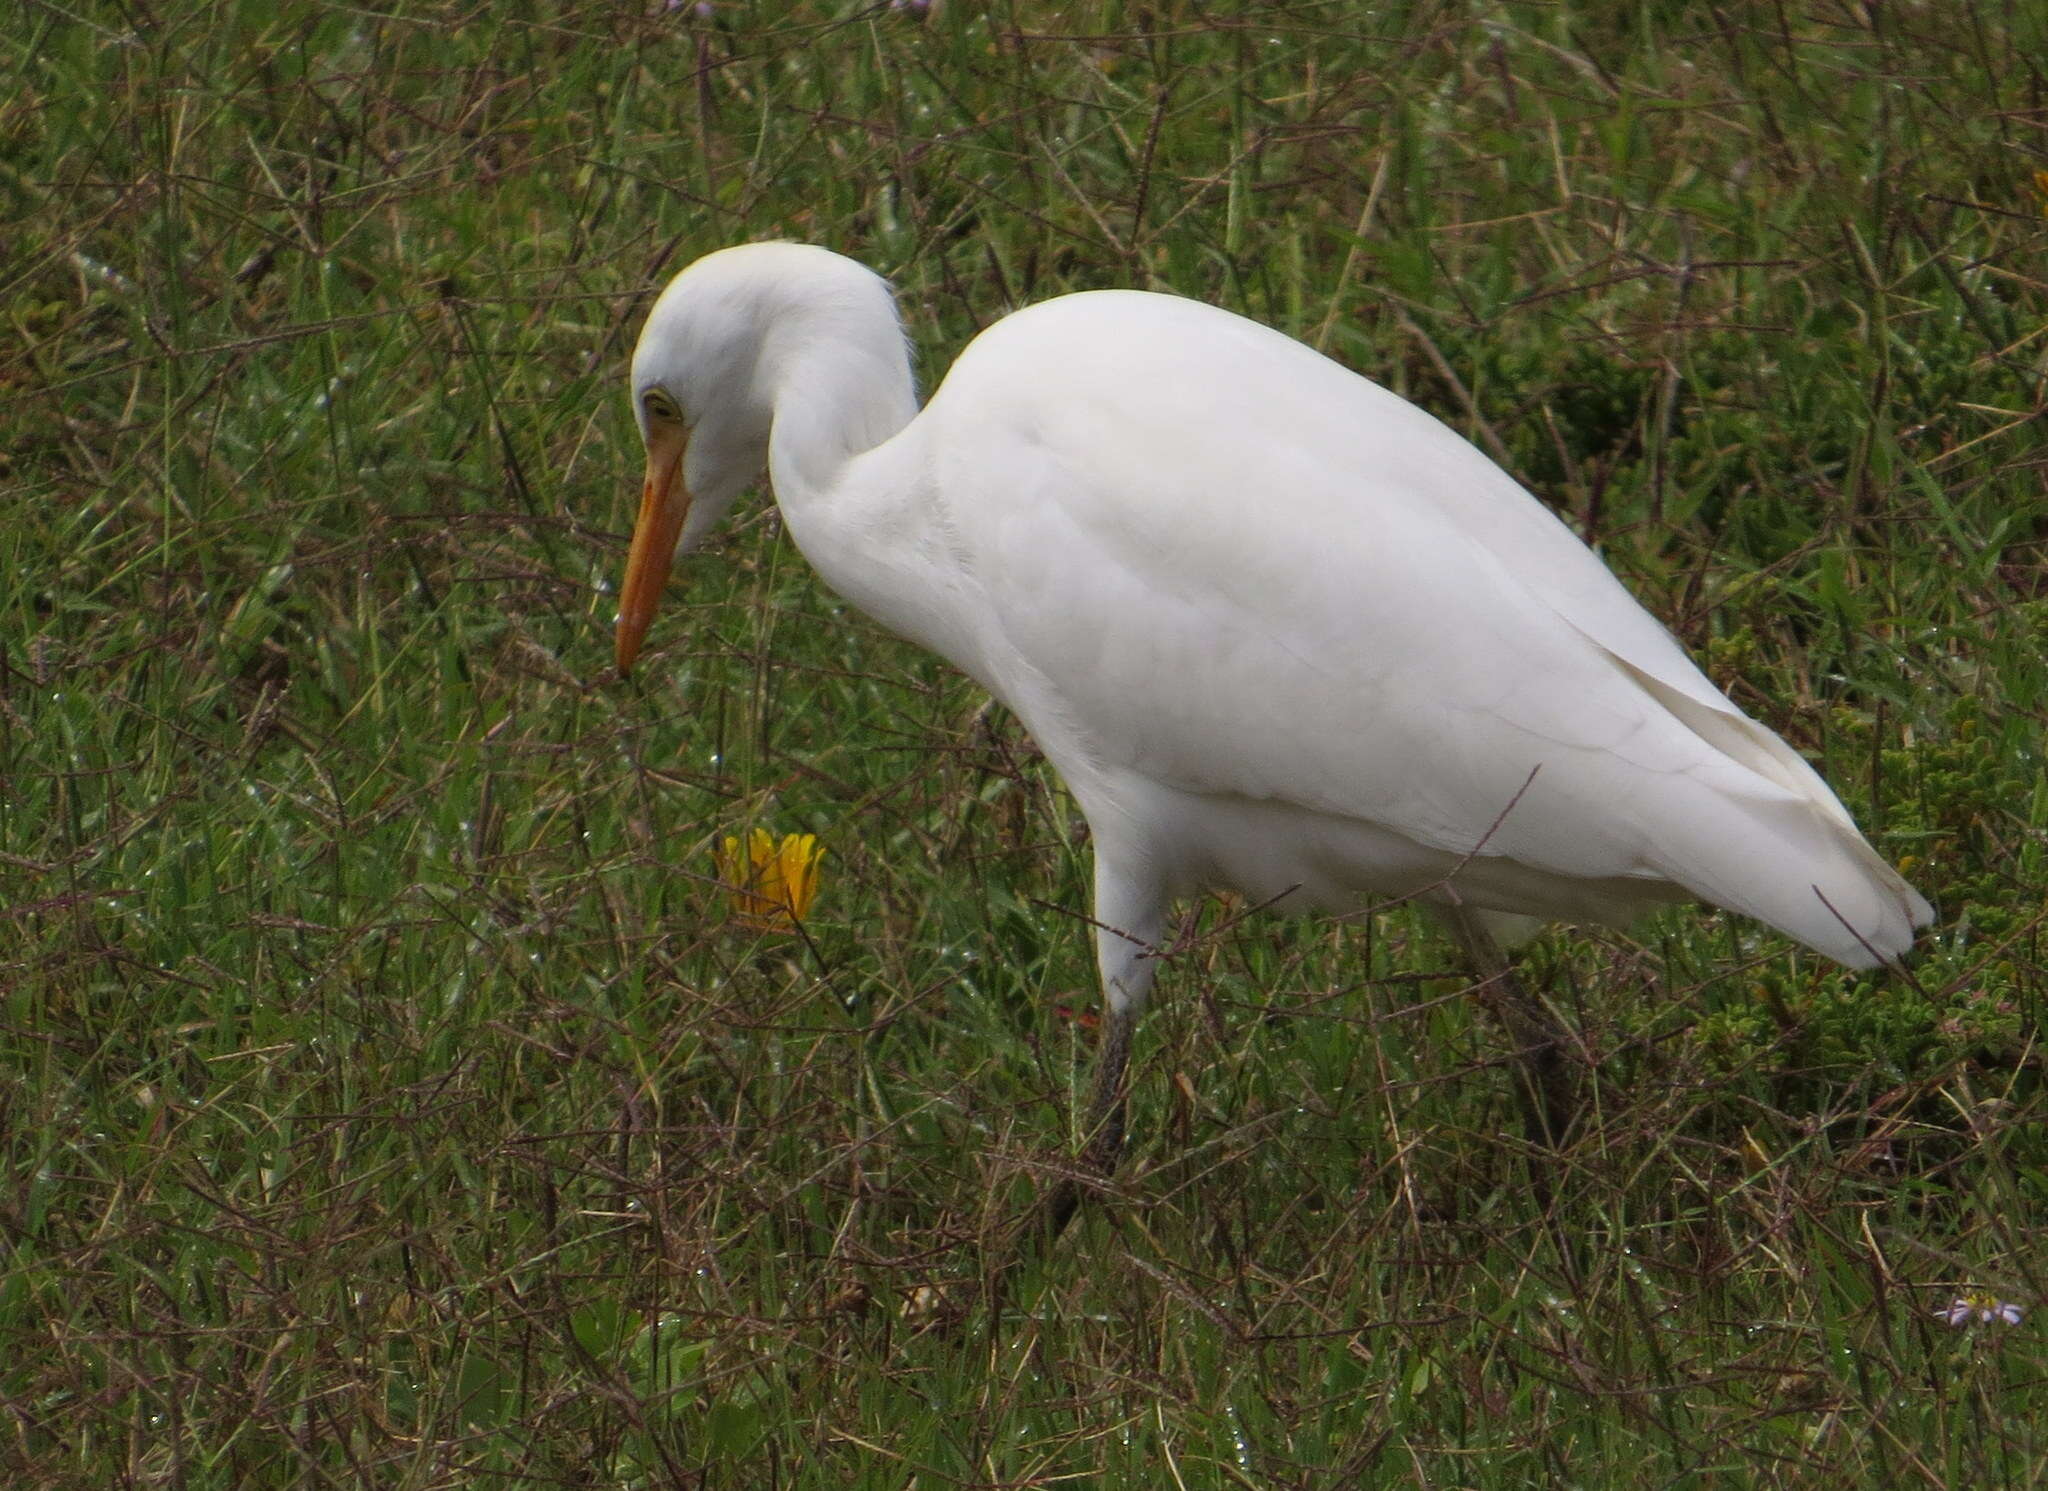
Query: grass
point(390, 1096)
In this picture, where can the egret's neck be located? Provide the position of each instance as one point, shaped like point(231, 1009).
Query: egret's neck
point(852, 478)
point(839, 390)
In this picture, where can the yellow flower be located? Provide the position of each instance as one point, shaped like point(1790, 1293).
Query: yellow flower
point(2041, 186)
point(772, 885)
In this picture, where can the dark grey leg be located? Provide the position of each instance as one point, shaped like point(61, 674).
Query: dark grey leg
point(1549, 1092)
point(1102, 1134)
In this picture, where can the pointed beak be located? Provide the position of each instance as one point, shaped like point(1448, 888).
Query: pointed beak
point(664, 503)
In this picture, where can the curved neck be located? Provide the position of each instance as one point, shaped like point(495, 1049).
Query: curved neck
point(839, 385)
point(852, 477)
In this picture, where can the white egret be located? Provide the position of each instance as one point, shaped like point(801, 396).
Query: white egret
point(1280, 631)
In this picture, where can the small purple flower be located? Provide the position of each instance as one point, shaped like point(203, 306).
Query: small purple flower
point(1979, 1307)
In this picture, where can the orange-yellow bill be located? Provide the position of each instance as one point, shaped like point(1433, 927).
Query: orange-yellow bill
point(664, 503)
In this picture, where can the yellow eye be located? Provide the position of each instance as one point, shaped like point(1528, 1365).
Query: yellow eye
point(659, 405)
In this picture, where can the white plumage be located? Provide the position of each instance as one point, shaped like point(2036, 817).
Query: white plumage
point(1279, 630)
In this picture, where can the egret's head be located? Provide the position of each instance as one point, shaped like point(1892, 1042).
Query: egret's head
point(703, 423)
point(728, 334)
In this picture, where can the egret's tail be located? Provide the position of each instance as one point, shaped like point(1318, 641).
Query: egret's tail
point(1784, 858)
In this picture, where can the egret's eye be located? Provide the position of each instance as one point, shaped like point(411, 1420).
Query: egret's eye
point(659, 405)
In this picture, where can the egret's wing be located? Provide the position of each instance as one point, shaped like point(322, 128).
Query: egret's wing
point(1237, 569)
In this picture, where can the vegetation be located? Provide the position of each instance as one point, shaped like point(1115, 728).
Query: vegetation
point(391, 1095)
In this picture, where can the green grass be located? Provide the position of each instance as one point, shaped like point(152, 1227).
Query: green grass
point(389, 1096)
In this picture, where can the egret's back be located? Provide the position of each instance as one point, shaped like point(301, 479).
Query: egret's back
point(1239, 593)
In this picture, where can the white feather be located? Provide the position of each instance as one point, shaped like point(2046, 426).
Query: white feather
point(1279, 630)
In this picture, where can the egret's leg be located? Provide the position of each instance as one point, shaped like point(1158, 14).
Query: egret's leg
point(1130, 911)
point(1109, 1092)
point(1103, 1121)
point(1549, 1094)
